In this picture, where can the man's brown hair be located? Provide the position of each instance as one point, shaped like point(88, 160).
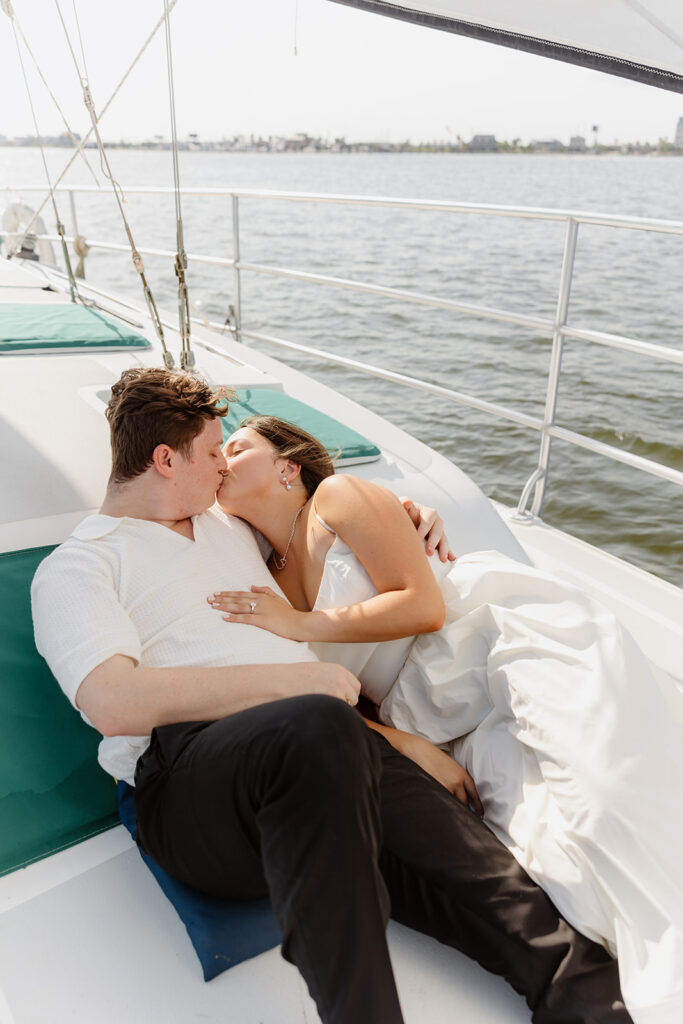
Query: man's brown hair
point(150, 406)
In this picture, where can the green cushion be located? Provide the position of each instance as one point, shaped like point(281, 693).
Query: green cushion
point(346, 446)
point(62, 326)
point(52, 791)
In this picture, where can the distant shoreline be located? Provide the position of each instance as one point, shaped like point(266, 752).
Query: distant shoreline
point(365, 149)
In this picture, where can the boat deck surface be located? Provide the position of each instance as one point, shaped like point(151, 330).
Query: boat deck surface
point(86, 935)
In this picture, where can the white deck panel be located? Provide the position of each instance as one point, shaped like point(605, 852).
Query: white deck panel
point(649, 607)
point(20, 274)
point(104, 945)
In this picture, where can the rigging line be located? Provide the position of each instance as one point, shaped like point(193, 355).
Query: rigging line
point(120, 198)
point(80, 39)
point(186, 356)
point(5, 4)
point(82, 76)
point(73, 287)
point(7, 7)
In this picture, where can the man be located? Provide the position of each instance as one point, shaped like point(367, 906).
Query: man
point(254, 773)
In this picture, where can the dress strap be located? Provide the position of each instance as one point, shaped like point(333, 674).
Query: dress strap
point(322, 521)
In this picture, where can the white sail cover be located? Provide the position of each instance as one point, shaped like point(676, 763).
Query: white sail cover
point(638, 39)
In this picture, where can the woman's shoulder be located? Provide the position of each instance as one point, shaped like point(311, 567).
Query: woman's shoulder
point(346, 487)
point(339, 496)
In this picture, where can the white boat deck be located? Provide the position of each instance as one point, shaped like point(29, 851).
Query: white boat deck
point(103, 944)
point(89, 927)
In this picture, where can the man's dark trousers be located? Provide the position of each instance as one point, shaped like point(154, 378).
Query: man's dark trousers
point(300, 800)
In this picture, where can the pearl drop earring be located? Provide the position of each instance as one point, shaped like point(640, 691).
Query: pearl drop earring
point(286, 483)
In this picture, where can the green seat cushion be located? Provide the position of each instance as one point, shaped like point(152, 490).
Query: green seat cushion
point(47, 326)
point(346, 445)
point(52, 791)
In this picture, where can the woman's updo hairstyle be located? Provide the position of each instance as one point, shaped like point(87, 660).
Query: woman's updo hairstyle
point(291, 442)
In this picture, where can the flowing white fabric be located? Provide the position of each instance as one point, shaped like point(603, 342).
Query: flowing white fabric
point(345, 581)
point(574, 739)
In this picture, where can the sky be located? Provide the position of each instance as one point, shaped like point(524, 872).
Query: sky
point(356, 75)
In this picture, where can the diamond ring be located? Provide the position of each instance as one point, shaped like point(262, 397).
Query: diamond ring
point(252, 607)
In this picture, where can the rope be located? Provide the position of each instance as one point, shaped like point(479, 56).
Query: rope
point(186, 355)
point(80, 39)
point(81, 248)
point(73, 287)
point(7, 6)
point(120, 198)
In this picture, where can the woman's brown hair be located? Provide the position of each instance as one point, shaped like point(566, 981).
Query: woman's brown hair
point(291, 442)
point(150, 406)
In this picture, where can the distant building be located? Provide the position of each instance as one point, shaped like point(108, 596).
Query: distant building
point(547, 145)
point(678, 141)
point(577, 144)
point(483, 144)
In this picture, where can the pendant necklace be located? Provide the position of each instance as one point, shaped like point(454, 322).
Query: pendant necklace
point(280, 563)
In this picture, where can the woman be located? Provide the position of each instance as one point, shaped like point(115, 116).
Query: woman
point(342, 611)
point(549, 694)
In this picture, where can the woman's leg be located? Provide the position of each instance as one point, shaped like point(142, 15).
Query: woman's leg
point(283, 799)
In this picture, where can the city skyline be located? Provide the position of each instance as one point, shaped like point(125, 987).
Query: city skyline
point(305, 142)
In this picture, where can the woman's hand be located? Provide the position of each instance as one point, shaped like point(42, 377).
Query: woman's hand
point(429, 526)
point(260, 607)
point(441, 767)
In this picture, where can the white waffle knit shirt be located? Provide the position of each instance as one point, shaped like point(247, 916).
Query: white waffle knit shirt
point(134, 587)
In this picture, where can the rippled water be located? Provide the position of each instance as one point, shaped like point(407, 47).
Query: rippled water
point(625, 282)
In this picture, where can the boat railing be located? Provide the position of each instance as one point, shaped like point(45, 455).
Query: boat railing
point(558, 327)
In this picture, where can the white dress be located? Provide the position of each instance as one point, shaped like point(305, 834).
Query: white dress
point(573, 738)
point(345, 581)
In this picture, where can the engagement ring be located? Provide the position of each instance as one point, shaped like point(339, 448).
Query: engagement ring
point(252, 607)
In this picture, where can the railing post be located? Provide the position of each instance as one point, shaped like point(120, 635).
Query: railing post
point(236, 284)
point(555, 363)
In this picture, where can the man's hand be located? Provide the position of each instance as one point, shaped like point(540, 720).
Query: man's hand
point(430, 528)
point(329, 679)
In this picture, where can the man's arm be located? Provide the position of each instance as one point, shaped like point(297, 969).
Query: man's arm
point(122, 698)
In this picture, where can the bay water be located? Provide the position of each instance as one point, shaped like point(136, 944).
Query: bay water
point(625, 282)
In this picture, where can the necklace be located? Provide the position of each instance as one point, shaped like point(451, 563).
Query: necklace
point(280, 563)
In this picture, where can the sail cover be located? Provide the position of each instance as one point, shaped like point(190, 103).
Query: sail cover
point(638, 39)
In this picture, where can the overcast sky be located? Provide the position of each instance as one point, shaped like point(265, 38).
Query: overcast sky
point(356, 75)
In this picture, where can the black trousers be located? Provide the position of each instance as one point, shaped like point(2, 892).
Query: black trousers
point(300, 800)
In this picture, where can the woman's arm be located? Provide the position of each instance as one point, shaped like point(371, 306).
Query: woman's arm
point(435, 762)
point(372, 522)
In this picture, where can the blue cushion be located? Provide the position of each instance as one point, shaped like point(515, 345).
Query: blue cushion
point(223, 932)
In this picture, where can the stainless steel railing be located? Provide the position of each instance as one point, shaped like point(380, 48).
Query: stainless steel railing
point(559, 328)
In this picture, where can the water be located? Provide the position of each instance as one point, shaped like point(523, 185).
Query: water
point(625, 283)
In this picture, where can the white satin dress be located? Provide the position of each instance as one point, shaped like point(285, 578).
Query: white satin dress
point(573, 737)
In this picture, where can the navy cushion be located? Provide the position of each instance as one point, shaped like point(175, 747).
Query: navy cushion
point(223, 932)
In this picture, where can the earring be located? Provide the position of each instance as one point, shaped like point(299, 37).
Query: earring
point(285, 483)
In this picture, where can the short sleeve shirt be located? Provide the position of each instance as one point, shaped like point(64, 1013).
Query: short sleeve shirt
point(135, 587)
